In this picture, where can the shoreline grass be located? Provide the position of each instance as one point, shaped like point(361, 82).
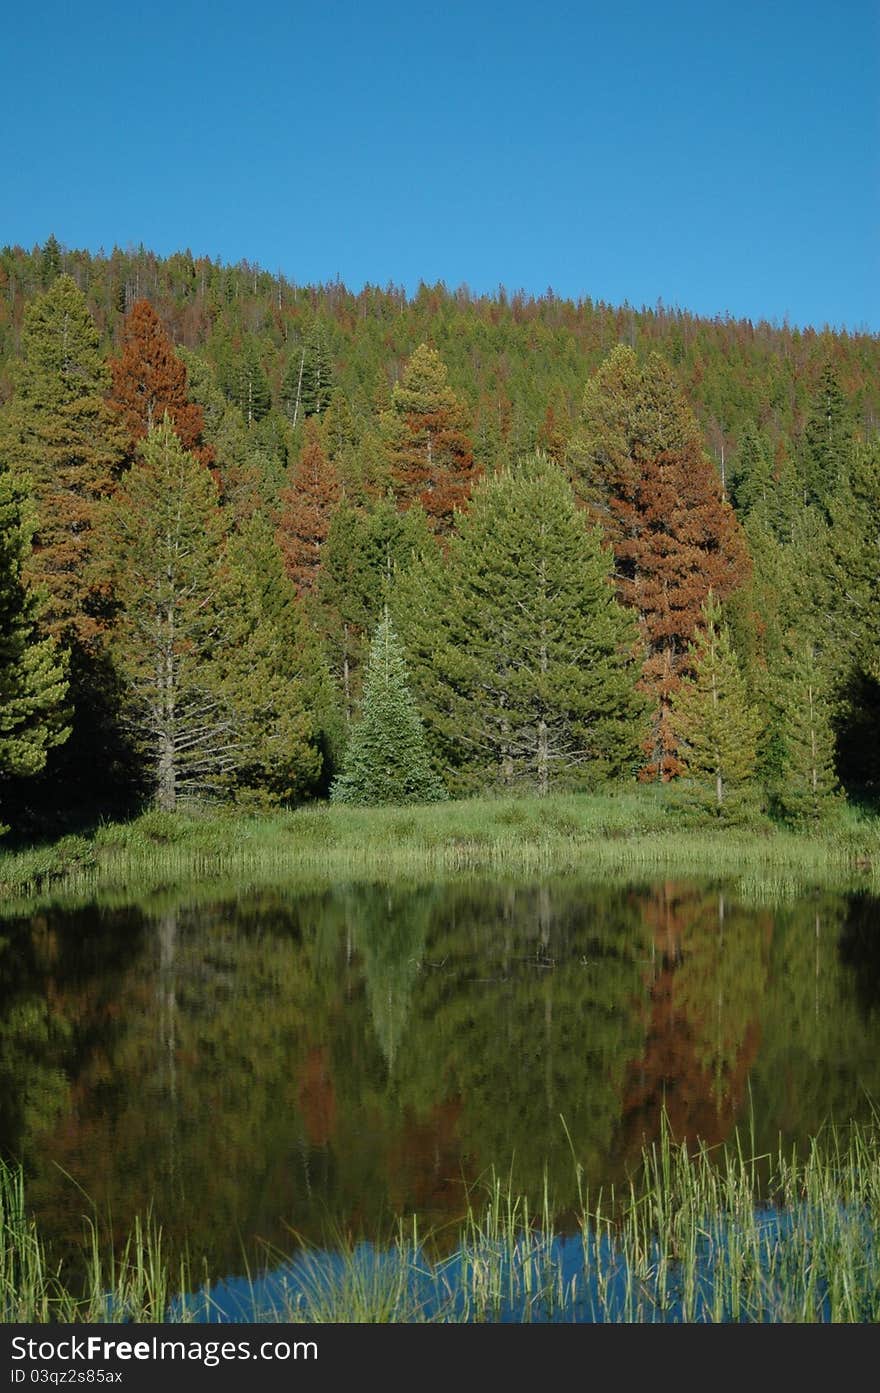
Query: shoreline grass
point(699, 1237)
point(627, 831)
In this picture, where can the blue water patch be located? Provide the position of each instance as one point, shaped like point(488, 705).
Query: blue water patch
point(566, 1279)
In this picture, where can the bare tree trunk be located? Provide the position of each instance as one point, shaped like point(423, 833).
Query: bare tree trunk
point(166, 772)
point(543, 759)
point(302, 363)
point(543, 738)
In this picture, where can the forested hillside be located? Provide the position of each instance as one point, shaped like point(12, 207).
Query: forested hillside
point(599, 543)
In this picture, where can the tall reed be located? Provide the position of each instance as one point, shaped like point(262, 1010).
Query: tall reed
point(700, 1236)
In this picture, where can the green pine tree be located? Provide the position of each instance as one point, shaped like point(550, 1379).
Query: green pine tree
point(307, 386)
point(50, 261)
point(808, 784)
point(317, 372)
point(713, 719)
point(364, 551)
point(828, 440)
point(387, 760)
point(524, 664)
point(33, 683)
point(751, 478)
point(273, 674)
point(849, 565)
point(165, 535)
point(853, 563)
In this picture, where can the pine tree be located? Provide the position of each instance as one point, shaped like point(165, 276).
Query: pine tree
point(317, 373)
point(249, 386)
point(149, 379)
point(715, 724)
point(307, 386)
point(33, 683)
point(387, 760)
point(165, 534)
point(849, 566)
point(639, 466)
point(524, 664)
point(751, 478)
point(50, 262)
point(853, 564)
point(364, 551)
point(426, 441)
point(828, 440)
point(808, 784)
point(307, 506)
point(59, 434)
point(272, 674)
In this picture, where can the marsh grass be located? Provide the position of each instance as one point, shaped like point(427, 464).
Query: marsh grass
point(699, 1236)
point(621, 831)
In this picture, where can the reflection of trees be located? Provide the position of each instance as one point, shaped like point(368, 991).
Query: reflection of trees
point(189, 1098)
point(53, 986)
point(820, 1059)
point(339, 1056)
point(527, 1012)
point(706, 985)
point(389, 925)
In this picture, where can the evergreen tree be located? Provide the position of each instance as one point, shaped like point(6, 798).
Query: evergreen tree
point(242, 376)
point(808, 785)
point(426, 441)
point(639, 465)
point(853, 563)
point(307, 386)
point(33, 683)
point(271, 674)
point(849, 565)
point(828, 440)
point(751, 478)
point(716, 725)
point(317, 372)
point(58, 433)
point(165, 532)
point(50, 262)
point(524, 663)
point(307, 505)
point(149, 379)
point(387, 760)
point(364, 551)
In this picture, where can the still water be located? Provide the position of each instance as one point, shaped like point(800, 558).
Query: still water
point(288, 1066)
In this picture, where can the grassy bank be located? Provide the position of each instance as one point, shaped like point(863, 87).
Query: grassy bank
point(728, 1237)
point(633, 830)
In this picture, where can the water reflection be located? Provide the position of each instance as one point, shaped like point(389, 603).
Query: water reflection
point(280, 1065)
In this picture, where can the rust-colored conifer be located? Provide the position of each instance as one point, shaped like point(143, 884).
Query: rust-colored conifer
point(427, 441)
point(149, 379)
point(642, 471)
point(307, 505)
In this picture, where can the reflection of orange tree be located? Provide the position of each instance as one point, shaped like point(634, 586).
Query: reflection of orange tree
point(707, 982)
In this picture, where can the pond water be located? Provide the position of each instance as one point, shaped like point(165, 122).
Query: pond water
point(290, 1065)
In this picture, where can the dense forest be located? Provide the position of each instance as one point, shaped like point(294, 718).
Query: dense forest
point(266, 542)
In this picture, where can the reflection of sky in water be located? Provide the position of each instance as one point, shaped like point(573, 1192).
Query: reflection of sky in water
point(570, 1282)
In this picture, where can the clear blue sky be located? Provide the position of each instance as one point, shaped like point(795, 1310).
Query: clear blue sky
point(722, 157)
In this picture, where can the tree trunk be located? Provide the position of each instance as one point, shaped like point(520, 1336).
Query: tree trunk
point(543, 759)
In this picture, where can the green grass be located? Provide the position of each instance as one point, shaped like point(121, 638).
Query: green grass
point(726, 1236)
point(631, 830)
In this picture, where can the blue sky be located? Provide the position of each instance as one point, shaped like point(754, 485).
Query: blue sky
point(720, 157)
